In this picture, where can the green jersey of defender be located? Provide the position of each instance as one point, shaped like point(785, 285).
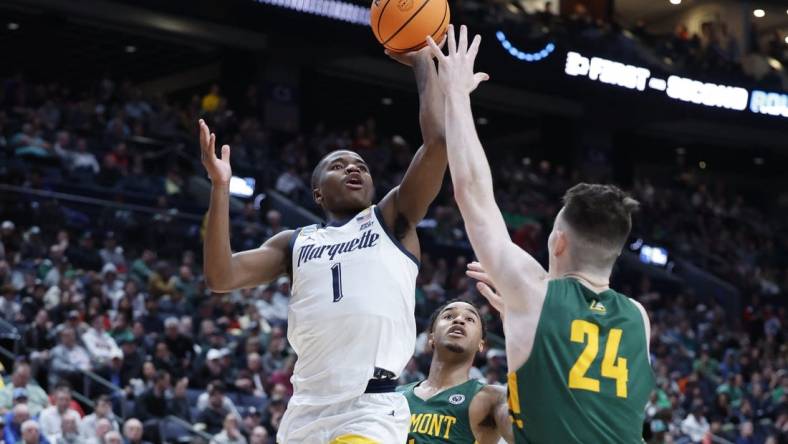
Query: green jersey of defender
point(443, 418)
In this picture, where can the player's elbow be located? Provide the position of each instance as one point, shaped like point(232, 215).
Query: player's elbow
point(215, 283)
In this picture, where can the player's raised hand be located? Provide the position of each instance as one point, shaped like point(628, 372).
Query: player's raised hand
point(485, 285)
point(218, 168)
point(412, 57)
point(455, 70)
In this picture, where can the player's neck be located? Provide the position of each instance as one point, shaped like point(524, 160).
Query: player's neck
point(339, 217)
point(594, 281)
point(445, 374)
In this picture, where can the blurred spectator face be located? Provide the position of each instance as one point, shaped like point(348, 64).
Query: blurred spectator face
point(230, 423)
point(113, 437)
point(21, 376)
point(133, 430)
point(216, 398)
point(21, 413)
point(68, 337)
point(42, 318)
point(68, 425)
point(63, 399)
point(186, 326)
point(171, 328)
point(259, 435)
point(148, 370)
point(30, 434)
point(254, 362)
point(103, 408)
point(103, 426)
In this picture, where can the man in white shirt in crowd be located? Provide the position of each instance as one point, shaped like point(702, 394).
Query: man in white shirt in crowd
point(51, 417)
point(103, 410)
point(101, 346)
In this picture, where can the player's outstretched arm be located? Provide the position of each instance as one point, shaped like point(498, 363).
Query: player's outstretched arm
point(225, 271)
point(514, 271)
point(424, 177)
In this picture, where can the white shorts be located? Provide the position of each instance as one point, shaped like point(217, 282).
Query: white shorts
point(372, 418)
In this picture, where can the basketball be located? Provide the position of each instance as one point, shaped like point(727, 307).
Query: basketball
point(403, 25)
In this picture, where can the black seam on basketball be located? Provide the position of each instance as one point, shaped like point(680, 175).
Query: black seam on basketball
point(407, 21)
point(380, 19)
point(445, 10)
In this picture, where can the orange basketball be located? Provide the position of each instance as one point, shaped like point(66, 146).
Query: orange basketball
point(403, 25)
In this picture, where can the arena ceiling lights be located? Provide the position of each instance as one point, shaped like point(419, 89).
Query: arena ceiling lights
point(333, 9)
point(536, 56)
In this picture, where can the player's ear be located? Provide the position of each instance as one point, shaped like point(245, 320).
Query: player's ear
point(317, 196)
point(561, 243)
point(431, 341)
point(481, 345)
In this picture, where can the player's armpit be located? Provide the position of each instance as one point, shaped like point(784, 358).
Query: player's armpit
point(255, 267)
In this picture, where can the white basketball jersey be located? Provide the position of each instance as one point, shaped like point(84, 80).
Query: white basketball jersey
point(351, 309)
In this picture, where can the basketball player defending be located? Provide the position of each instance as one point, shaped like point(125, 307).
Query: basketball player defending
point(577, 350)
point(351, 312)
point(448, 407)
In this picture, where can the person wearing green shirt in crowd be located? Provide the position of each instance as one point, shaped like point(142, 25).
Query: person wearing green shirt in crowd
point(37, 399)
point(448, 406)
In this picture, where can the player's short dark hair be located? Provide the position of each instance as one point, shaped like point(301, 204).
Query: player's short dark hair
point(437, 312)
point(600, 215)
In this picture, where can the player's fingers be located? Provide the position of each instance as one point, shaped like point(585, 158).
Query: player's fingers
point(436, 51)
point(452, 42)
point(490, 295)
point(463, 46)
point(478, 78)
point(204, 133)
point(479, 276)
point(475, 266)
point(474, 49)
point(226, 153)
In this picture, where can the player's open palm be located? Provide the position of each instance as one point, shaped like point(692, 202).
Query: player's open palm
point(218, 168)
point(455, 70)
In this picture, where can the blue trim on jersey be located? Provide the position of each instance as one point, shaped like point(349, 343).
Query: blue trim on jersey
point(393, 238)
point(291, 247)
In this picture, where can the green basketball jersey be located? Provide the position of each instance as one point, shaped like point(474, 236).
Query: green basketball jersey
point(442, 418)
point(588, 377)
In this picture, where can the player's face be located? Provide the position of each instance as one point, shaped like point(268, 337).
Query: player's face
point(345, 183)
point(458, 329)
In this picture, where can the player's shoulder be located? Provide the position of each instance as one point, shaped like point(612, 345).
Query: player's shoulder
point(489, 394)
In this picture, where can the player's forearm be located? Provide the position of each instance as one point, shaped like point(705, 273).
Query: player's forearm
point(431, 105)
point(470, 171)
point(217, 254)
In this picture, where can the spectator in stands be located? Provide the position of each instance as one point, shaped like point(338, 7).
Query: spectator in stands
point(69, 432)
point(12, 432)
point(181, 346)
point(31, 433)
point(214, 413)
point(69, 358)
point(153, 403)
point(132, 431)
point(695, 424)
point(102, 410)
point(51, 417)
point(230, 433)
point(113, 437)
point(252, 378)
point(270, 309)
point(38, 340)
point(85, 255)
point(259, 435)
point(290, 183)
point(211, 369)
point(141, 268)
point(21, 385)
point(103, 428)
point(99, 343)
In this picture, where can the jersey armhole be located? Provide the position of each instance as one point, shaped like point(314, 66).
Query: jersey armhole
point(390, 233)
point(646, 326)
point(290, 250)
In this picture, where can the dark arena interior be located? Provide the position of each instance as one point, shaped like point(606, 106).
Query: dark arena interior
point(108, 330)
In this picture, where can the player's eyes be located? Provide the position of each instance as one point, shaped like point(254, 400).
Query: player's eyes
point(363, 168)
point(469, 319)
point(336, 166)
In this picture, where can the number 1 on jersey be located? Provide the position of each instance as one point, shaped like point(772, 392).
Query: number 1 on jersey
point(336, 277)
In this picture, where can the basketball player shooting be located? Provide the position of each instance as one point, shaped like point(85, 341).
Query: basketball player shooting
point(448, 406)
point(579, 347)
point(351, 312)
